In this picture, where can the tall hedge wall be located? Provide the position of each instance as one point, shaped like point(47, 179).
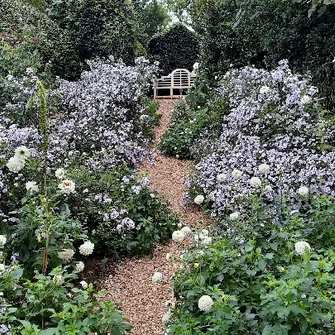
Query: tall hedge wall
point(268, 31)
point(177, 48)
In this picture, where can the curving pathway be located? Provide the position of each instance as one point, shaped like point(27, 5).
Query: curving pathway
point(141, 301)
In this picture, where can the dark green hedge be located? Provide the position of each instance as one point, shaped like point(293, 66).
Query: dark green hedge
point(267, 32)
point(24, 26)
point(177, 48)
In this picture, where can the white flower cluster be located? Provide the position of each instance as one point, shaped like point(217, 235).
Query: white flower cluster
point(67, 186)
point(80, 267)
point(179, 235)
point(66, 254)
point(203, 238)
point(3, 240)
point(302, 247)
point(86, 248)
point(31, 186)
point(205, 303)
point(17, 162)
point(199, 199)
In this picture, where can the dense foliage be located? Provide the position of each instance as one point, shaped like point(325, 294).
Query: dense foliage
point(24, 28)
point(249, 32)
point(176, 48)
point(262, 277)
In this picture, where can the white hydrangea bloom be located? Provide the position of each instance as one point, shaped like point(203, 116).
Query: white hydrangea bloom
point(66, 254)
point(60, 173)
point(80, 266)
point(234, 216)
point(221, 177)
point(31, 186)
point(264, 89)
point(205, 303)
point(306, 99)
point(255, 182)
point(2, 267)
point(301, 247)
point(178, 236)
point(86, 248)
point(303, 191)
point(199, 199)
point(67, 186)
point(15, 164)
point(3, 240)
point(22, 153)
point(186, 230)
point(264, 168)
point(157, 277)
point(83, 284)
point(236, 174)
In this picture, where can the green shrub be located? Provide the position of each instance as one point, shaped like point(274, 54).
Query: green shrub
point(123, 215)
point(261, 280)
point(51, 304)
point(177, 48)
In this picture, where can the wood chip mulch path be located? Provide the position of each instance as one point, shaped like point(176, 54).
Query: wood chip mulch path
point(130, 286)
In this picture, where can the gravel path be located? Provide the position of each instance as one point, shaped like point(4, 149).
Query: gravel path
point(141, 301)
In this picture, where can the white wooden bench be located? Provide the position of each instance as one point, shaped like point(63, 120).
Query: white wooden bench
point(179, 79)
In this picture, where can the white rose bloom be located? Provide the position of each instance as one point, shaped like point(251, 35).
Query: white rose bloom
point(22, 153)
point(199, 199)
point(267, 189)
point(166, 317)
point(66, 254)
point(178, 236)
point(67, 186)
point(86, 248)
point(157, 277)
point(60, 173)
point(234, 216)
point(3, 240)
point(255, 182)
point(264, 168)
point(264, 89)
point(31, 186)
point(221, 177)
point(180, 225)
point(2, 267)
point(205, 303)
point(303, 191)
point(301, 247)
point(186, 231)
point(15, 164)
point(306, 99)
point(80, 267)
point(236, 174)
point(83, 284)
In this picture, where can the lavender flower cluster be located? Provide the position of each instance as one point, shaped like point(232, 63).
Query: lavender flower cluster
point(274, 119)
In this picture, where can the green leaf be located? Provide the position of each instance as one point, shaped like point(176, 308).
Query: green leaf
point(49, 331)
